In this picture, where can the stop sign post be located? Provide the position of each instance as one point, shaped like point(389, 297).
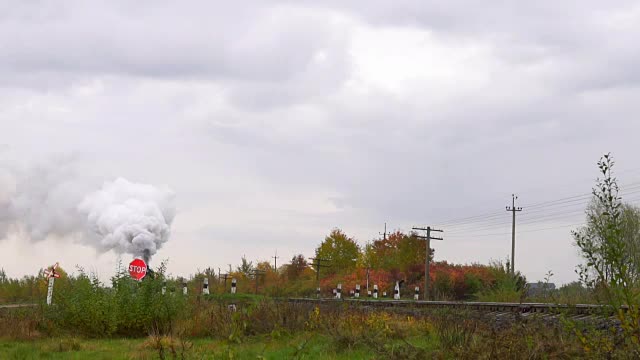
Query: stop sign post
point(138, 269)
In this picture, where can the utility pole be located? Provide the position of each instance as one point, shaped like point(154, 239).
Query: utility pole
point(428, 239)
point(368, 280)
point(384, 234)
point(513, 210)
point(225, 276)
point(318, 264)
point(255, 274)
point(275, 262)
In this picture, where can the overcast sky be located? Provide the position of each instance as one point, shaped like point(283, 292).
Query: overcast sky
point(276, 121)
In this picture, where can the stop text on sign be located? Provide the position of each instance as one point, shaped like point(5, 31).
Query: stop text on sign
point(138, 269)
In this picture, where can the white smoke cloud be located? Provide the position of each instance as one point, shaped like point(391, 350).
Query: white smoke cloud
point(130, 218)
point(53, 201)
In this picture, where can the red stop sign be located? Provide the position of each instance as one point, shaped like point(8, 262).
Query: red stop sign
point(138, 269)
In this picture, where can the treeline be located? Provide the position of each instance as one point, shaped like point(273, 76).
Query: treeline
point(397, 257)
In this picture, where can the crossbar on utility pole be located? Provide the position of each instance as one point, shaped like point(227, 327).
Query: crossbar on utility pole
point(513, 210)
point(428, 239)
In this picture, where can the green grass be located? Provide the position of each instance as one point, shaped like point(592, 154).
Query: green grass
point(69, 348)
point(301, 346)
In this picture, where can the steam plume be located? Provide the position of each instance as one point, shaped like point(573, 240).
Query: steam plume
point(129, 218)
point(50, 202)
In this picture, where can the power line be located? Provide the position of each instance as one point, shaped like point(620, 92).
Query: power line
point(626, 190)
point(630, 186)
point(519, 232)
point(538, 218)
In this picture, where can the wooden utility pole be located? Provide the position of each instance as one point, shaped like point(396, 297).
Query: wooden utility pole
point(255, 274)
point(513, 210)
point(428, 239)
point(318, 264)
point(275, 262)
point(225, 277)
point(384, 234)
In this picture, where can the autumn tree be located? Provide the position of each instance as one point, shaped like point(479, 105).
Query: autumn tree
point(297, 267)
point(341, 251)
point(398, 251)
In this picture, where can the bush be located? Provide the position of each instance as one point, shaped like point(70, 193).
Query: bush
point(129, 308)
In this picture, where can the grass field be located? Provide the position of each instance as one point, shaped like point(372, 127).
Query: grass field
point(302, 346)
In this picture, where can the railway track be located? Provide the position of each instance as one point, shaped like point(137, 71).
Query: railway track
point(491, 307)
point(524, 309)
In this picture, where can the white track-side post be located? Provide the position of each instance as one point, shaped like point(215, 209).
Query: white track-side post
point(396, 292)
point(384, 294)
point(164, 287)
point(318, 292)
point(205, 286)
point(233, 285)
point(357, 295)
point(50, 290)
point(375, 291)
point(184, 287)
point(416, 296)
point(339, 291)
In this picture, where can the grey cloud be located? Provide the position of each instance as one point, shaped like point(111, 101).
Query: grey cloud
point(255, 49)
point(227, 103)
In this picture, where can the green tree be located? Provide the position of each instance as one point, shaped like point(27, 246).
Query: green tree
point(341, 250)
point(605, 246)
point(246, 267)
